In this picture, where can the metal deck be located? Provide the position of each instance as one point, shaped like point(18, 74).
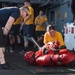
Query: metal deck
point(23, 68)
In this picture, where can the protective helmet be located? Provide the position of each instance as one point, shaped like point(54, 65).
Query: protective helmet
point(56, 44)
point(29, 57)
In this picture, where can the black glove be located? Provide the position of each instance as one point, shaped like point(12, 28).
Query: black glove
point(62, 47)
point(56, 50)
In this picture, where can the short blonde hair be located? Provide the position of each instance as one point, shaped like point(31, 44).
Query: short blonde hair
point(49, 27)
point(24, 9)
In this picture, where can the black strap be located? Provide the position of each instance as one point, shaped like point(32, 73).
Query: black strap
point(51, 59)
point(45, 51)
point(59, 60)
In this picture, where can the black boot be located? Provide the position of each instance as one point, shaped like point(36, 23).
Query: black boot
point(6, 66)
point(24, 50)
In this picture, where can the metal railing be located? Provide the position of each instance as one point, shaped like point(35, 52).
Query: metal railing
point(35, 1)
point(44, 1)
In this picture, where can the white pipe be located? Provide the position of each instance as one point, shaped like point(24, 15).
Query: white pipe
point(32, 39)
